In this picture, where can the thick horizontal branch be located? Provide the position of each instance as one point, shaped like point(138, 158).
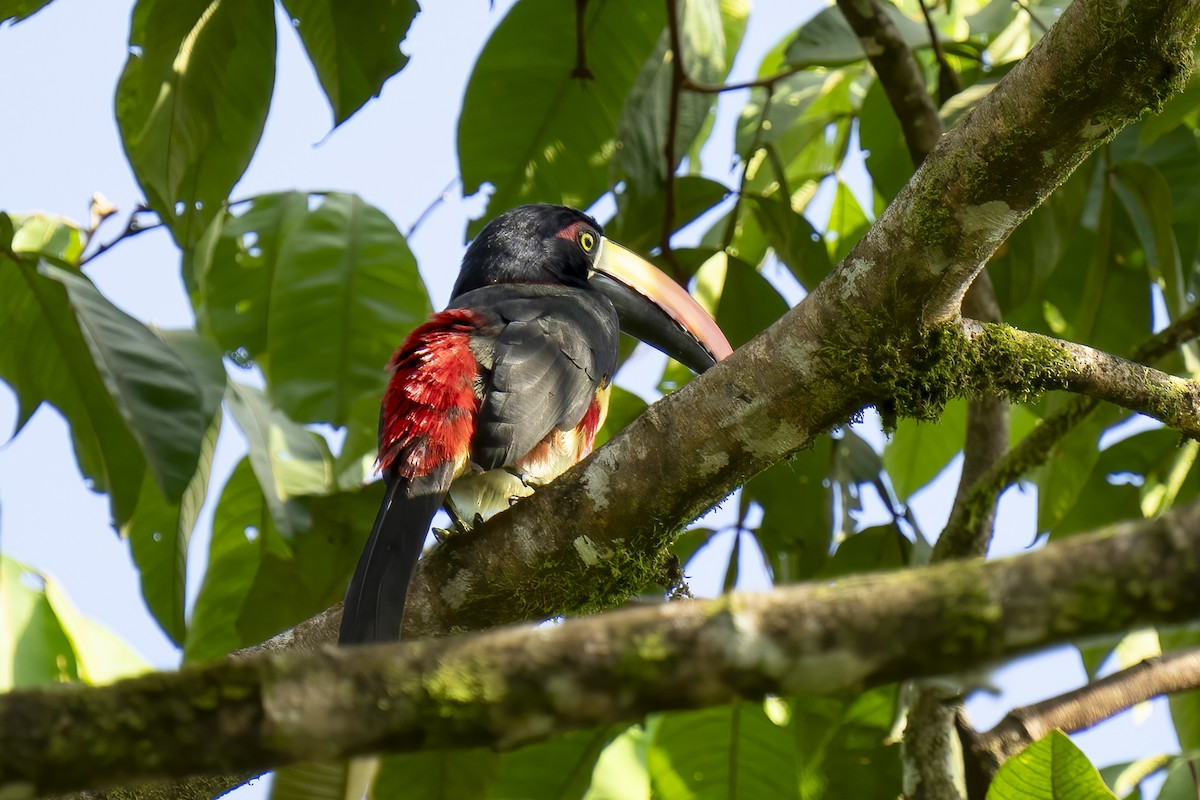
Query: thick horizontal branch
point(1079, 709)
point(520, 684)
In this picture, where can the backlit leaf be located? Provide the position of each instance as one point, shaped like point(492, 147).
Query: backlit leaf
point(192, 102)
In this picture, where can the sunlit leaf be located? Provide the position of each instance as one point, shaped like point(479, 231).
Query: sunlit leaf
point(553, 144)
point(192, 102)
point(828, 40)
point(288, 460)
point(1052, 768)
point(56, 239)
point(700, 754)
point(34, 649)
point(354, 46)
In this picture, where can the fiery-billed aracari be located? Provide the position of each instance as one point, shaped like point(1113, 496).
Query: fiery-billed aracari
point(506, 388)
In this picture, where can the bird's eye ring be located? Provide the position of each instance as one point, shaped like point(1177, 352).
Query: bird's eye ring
point(587, 240)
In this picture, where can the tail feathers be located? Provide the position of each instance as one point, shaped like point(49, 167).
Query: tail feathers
point(375, 598)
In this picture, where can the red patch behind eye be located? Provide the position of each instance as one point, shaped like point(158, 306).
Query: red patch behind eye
point(571, 232)
point(430, 405)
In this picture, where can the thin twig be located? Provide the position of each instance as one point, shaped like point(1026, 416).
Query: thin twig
point(1041, 26)
point(433, 204)
point(581, 70)
point(710, 88)
point(132, 228)
point(677, 79)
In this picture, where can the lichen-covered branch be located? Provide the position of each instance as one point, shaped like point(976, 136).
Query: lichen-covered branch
point(523, 683)
point(1078, 710)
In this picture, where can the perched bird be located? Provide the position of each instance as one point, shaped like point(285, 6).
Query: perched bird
point(506, 388)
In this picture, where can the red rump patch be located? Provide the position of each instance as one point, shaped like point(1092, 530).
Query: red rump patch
point(430, 405)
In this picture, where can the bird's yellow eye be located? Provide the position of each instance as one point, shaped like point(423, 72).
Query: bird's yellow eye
point(587, 240)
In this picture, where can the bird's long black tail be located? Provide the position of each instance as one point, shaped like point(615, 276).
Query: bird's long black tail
point(375, 597)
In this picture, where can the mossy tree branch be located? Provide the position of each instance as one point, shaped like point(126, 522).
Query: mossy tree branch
point(521, 684)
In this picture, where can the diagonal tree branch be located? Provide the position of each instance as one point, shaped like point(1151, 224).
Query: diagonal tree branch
point(1077, 710)
point(493, 687)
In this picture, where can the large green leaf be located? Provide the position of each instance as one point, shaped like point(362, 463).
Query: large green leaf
point(797, 505)
point(318, 291)
point(45, 358)
point(34, 649)
point(523, 775)
point(1052, 768)
point(158, 395)
point(842, 744)
point(917, 451)
point(288, 460)
point(639, 221)
point(552, 144)
point(642, 130)
point(259, 582)
point(880, 134)
point(793, 238)
point(160, 531)
point(192, 102)
point(44, 639)
point(828, 40)
point(437, 775)
point(1146, 196)
point(56, 239)
point(729, 752)
point(353, 45)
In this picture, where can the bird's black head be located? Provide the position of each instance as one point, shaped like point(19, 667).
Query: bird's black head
point(532, 244)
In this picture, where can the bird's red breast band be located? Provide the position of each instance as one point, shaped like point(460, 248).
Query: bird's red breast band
point(430, 405)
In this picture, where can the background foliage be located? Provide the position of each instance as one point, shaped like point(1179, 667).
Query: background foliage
point(299, 297)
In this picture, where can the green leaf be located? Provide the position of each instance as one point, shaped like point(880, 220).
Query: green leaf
point(841, 744)
point(158, 395)
point(44, 639)
point(56, 239)
point(879, 133)
point(847, 224)
point(288, 460)
point(701, 754)
point(258, 582)
point(34, 649)
point(160, 531)
point(797, 505)
point(828, 40)
point(45, 358)
point(554, 144)
point(793, 238)
point(20, 10)
point(638, 223)
point(642, 129)
point(872, 549)
point(1146, 196)
point(522, 773)
point(318, 290)
point(192, 102)
point(917, 452)
point(354, 46)
point(100, 656)
point(1052, 768)
point(621, 772)
point(437, 775)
